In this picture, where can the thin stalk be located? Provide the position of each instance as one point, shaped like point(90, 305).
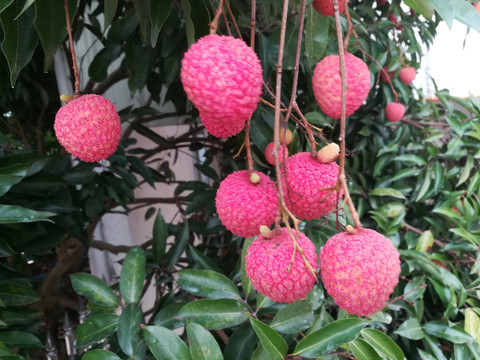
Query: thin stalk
point(253, 23)
point(214, 23)
point(72, 51)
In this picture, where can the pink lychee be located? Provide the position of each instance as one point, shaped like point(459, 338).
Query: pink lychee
point(394, 111)
point(476, 5)
point(327, 84)
point(325, 7)
point(267, 265)
point(88, 127)
point(407, 74)
point(282, 153)
point(385, 74)
point(393, 18)
point(360, 271)
point(243, 206)
point(222, 76)
point(307, 184)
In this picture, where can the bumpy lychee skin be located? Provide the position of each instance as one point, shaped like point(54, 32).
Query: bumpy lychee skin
point(327, 84)
point(282, 153)
point(394, 111)
point(221, 127)
point(267, 262)
point(407, 74)
point(306, 183)
point(360, 271)
point(88, 127)
point(242, 206)
point(325, 7)
point(222, 76)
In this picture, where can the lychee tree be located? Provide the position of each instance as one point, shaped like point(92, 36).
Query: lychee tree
point(392, 212)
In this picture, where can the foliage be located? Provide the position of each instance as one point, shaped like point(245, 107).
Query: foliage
point(416, 181)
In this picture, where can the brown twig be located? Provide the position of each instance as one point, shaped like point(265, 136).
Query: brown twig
point(248, 146)
point(214, 23)
point(253, 23)
point(72, 50)
point(234, 22)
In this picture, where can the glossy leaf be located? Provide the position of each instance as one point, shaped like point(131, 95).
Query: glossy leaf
point(246, 283)
point(99, 354)
point(165, 344)
point(168, 316)
point(133, 275)
point(20, 338)
point(17, 294)
point(10, 214)
point(382, 343)
point(138, 63)
point(388, 192)
point(316, 35)
point(423, 7)
point(181, 241)
point(241, 343)
point(160, 235)
point(215, 314)
point(207, 283)
point(294, 317)
point(203, 345)
point(275, 346)
point(159, 11)
point(455, 334)
point(362, 350)
point(98, 69)
point(329, 337)
point(4, 4)
point(425, 241)
point(95, 328)
point(142, 8)
point(410, 329)
point(472, 323)
point(129, 328)
point(110, 8)
point(94, 290)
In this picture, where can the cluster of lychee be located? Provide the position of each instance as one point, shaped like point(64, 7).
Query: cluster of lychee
point(395, 110)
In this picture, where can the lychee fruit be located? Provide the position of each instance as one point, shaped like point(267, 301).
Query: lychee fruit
point(360, 270)
point(393, 18)
point(327, 84)
point(269, 266)
point(307, 184)
point(88, 127)
point(222, 76)
point(407, 74)
point(394, 111)
point(325, 7)
point(286, 136)
point(476, 5)
point(381, 2)
point(282, 153)
point(385, 74)
point(243, 206)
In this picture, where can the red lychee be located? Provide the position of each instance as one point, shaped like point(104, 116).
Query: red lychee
point(267, 265)
point(307, 185)
point(385, 74)
point(327, 84)
point(282, 153)
point(243, 206)
point(407, 74)
point(394, 111)
point(393, 18)
point(88, 127)
point(222, 76)
point(360, 271)
point(325, 7)
point(476, 5)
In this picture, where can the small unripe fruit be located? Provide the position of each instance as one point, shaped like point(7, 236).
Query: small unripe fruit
point(282, 154)
point(88, 127)
point(394, 111)
point(243, 207)
point(286, 136)
point(267, 265)
point(360, 270)
point(327, 84)
point(266, 232)
point(325, 7)
point(328, 153)
point(254, 178)
point(407, 74)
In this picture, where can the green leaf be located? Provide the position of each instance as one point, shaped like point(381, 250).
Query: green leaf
point(168, 316)
point(425, 241)
point(4, 4)
point(5, 249)
point(474, 184)
point(215, 314)
point(466, 171)
point(138, 63)
point(410, 159)
point(20, 339)
point(241, 343)
point(402, 174)
point(421, 6)
point(51, 25)
point(363, 350)
point(17, 294)
point(94, 290)
point(472, 323)
point(246, 283)
point(382, 343)
point(160, 235)
point(274, 345)
point(95, 328)
point(98, 69)
point(189, 27)
point(410, 329)
point(203, 345)
point(329, 337)
point(181, 241)
point(20, 37)
point(133, 275)
point(159, 11)
point(316, 35)
point(294, 317)
point(99, 354)
point(165, 344)
point(200, 260)
point(388, 192)
point(142, 8)
point(129, 328)
point(10, 214)
point(110, 8)
point(455, 334)
point(207, 283)
point(446, 9)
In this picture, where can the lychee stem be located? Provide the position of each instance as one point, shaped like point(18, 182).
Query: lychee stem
point(248, 147)
point(253, 23)
point(306, 124)
point(300, 251)
point(72, 51)
point(214, 23)
point(350, 29)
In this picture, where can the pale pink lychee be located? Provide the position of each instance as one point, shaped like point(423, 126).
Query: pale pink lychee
point(88, 127)
point(282, 153)
point(394, 111)
point(242, 206)
point(222, 76)
point(307, 184)
point(407, 74)
point(360, 271)
point(327, 84)
point(267, 265)
point(476, 5)
point(325, 7)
